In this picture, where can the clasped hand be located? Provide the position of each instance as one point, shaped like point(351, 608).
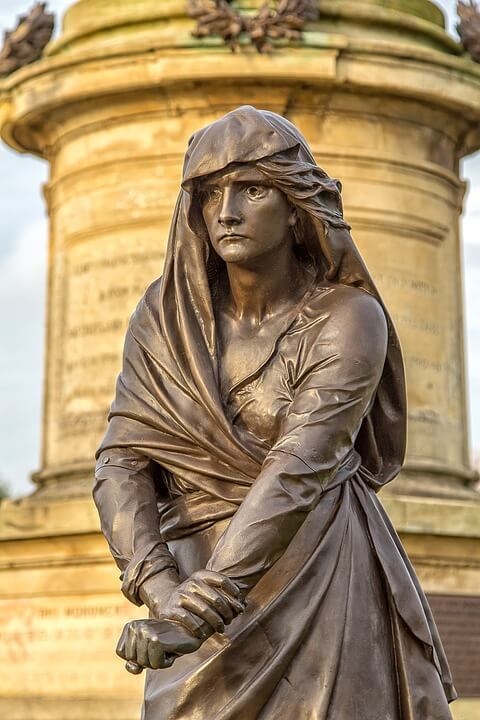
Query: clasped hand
point(185, 615)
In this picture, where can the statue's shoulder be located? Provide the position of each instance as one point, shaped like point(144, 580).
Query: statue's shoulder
point(343, 299)
point(349, 309)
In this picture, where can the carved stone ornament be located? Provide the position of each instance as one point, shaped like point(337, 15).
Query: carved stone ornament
point(26, 43)
point(469, 28)
point(283, 20)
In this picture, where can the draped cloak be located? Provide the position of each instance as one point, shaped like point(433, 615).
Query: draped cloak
point(336, 624)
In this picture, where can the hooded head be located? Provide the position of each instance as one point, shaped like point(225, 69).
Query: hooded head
point(275, 147)
point(184, 317)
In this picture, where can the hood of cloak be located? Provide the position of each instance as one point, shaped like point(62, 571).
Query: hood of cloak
point(168, 404)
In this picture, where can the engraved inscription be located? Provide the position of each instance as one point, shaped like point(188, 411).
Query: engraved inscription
point(38, 635)
point(426, 364)
point(109, 285)
point(428, 327)
point(407, 282)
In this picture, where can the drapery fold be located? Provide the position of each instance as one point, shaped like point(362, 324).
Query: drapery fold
point(168, 400)
point(319, 640)
point(340, 618)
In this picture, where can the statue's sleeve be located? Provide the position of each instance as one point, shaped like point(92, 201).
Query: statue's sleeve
point(334, 388)
point(126, 499)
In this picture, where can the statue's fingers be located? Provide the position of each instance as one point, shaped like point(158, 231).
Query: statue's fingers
point(133, 667)
point(126, 644)
point(201, 609)
point(227, 590)
point(130, 647)
point(189, 621)
point(215, 599)
point(235, 603)
point(238, 606)
point(220, 581)
point(157, 657)
point(141, 649)
point(120, 649)
point(168, 660)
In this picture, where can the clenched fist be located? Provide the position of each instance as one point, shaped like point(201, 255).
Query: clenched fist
point(154, 644)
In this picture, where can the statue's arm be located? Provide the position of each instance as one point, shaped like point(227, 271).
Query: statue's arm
point(126, 500)
point(337, 381)
point(183, 615)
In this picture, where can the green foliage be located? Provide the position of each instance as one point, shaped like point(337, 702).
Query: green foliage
point(4, 489)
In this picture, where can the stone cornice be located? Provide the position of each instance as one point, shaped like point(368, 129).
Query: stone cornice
point(30, 98)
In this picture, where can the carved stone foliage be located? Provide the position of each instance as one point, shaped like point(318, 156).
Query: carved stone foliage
point(469, 27)
point(283, 20)
point(26, 43)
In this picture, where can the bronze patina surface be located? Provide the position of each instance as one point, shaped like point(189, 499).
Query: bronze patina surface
point(260, 408)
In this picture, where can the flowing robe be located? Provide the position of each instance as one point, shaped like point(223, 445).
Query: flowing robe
point(272, 482)
point(336, 624)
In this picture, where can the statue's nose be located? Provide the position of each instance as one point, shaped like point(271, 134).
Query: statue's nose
point(230, 212)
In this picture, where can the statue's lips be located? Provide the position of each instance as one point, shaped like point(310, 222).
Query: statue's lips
point(233, 236)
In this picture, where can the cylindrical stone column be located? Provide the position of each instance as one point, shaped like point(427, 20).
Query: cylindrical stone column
point(388, 107)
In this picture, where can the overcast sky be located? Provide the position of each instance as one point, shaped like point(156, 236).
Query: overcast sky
point(22, 294)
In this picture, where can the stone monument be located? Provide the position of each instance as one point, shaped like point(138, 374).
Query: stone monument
point(110, 107)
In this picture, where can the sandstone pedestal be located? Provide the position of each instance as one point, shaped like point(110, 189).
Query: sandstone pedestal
point(389, 106)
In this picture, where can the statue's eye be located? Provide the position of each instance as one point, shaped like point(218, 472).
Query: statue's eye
point(255, 191)
point(211, 195)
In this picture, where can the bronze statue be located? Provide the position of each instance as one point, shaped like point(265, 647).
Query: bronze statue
point(260, 408)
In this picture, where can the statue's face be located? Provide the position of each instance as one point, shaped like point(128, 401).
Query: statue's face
point(246, 217)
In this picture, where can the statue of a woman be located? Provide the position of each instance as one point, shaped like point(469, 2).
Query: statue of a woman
point(260, 408)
